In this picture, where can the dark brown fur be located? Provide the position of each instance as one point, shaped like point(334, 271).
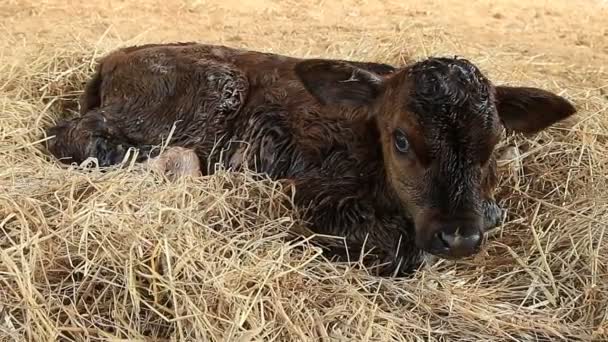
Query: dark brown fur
point(329, 127)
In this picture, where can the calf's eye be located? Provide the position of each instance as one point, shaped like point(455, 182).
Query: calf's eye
point(401, 143)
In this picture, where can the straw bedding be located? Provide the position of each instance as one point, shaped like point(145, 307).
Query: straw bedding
point(87, 254)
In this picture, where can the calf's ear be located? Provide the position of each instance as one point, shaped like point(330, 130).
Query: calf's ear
point(336, 82)
point(530, 110)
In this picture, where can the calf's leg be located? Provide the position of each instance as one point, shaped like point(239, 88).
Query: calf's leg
point(379, 239)
point(93, 135)
point(492, 213)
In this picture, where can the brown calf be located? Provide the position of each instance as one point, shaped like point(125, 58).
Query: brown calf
point(398, 159)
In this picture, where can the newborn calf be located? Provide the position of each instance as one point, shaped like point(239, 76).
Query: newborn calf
point(400, 160)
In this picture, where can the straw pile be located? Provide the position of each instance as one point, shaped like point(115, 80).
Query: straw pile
point(126, 254)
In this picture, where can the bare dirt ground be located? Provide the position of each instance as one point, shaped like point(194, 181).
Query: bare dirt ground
point(86, 255)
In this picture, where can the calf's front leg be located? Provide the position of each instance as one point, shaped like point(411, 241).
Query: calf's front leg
point(381, 238)
point(492, 213)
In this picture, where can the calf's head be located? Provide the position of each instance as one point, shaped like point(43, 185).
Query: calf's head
point(439, 121)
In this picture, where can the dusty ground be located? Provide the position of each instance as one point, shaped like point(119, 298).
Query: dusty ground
point(87, 255)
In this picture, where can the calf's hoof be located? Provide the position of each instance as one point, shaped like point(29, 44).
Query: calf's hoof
point(106, 152)
point(109, 152)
